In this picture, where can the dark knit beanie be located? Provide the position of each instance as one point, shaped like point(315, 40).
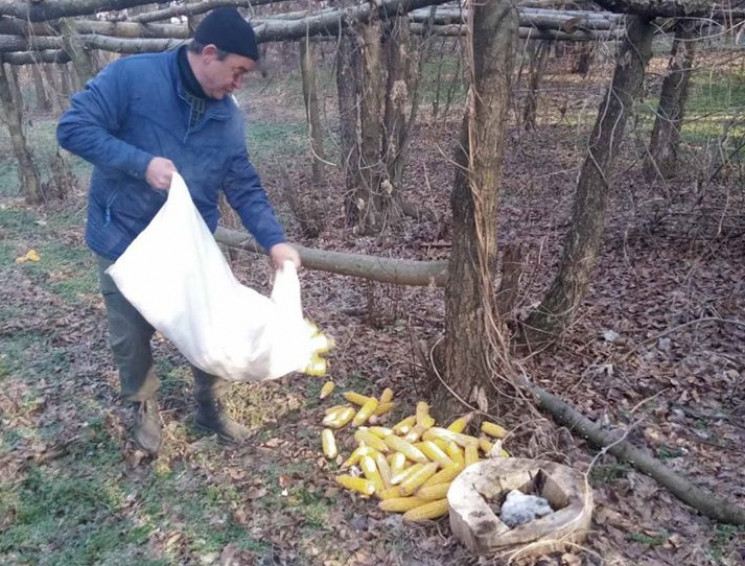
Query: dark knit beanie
point(226, 29)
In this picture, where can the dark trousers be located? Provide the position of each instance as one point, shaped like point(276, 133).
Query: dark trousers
point(129, 338)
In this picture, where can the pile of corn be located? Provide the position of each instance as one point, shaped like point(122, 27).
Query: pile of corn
point(321, 345)
point(410, 465)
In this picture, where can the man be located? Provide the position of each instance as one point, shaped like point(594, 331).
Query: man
point(139, 120)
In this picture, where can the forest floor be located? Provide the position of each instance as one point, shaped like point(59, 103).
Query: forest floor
point(657, 349)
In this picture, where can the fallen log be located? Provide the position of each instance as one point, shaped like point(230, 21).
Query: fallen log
point(381, 269)
point(612, 440)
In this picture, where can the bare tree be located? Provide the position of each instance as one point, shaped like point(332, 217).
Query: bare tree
point(474, 341)
point(662, 156)
point(585, 235)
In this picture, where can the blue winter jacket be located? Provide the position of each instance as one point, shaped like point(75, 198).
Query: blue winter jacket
point(136, 109)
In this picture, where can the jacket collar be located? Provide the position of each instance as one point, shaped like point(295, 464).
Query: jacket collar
point(217, 109)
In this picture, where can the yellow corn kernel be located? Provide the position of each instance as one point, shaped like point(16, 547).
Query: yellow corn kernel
point(400, 504)
point(401, 476)
point(429, 510)
point(504, 454)
point(386, 396)
point(339, 418)
point(400, 445)
point(435, 453)
point(494, 430)
point(415, 433)
point(356, 398)
point(422, 415)
point(435, 491)
point(329, 444)
point(371, 472)
point(365, 412)
point(384, 469)
point(445, 434)
point(327, 389)
point(456, 453)
point(398, 463)
point(413, 481)
point(356, 454)
point(389, 493)
point(360, 485)
point(445, 475)
point(405, 425)
point(383, 408)
point(472, 455)
point(460, 424)
point(380, 431)
point(365, 437)
point(485, 444)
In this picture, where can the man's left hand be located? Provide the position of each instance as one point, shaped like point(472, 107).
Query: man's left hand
point(283, 252)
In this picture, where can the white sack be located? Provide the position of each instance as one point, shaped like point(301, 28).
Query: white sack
point(176, 276)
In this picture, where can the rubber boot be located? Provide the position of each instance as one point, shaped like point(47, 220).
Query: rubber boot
point(213, 417)
point(147, 433)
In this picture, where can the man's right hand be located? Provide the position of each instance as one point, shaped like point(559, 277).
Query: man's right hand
point(159, 173)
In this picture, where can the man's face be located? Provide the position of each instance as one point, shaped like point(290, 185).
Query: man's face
point(222, 77)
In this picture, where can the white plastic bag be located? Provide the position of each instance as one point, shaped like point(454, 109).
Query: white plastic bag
point(178, 279)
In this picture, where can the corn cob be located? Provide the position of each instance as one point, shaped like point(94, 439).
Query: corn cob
point(322, 344)
point(335, 408)
point(400, 445)
point(398, 463)
point(405, 425)
point(400, 504)
point(316, 367)
point(329, 444)
point(460, 424)
point(401, 476)
point(448, 435)
point(422, 415)
point(384, 469)
point(456, 453)
point(371, 472)
point(383, 408)
point(430, 510)
point(365, 437)
point(380, 431)
point(339, 418)
point(415, 433)
point(327, 389)
point(493, 430)
point(360, 485)
point(472, 455)
point(435, 453)
point(445, 475)
point(356, 398)
point(389, 493)
point(431, 492)
point(485, 444)
point(365, 412)
point(386, 396)
point(356, 454)
point(413, 481)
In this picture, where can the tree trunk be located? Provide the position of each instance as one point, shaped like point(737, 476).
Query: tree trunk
point(28, 175)
point(585, 235)
point(662, 157)
point(538, 52)
point(400, 99)
point(312, 112)
point(43, 100)
point(347, 100)
point(475, 344)
point(80, 55)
